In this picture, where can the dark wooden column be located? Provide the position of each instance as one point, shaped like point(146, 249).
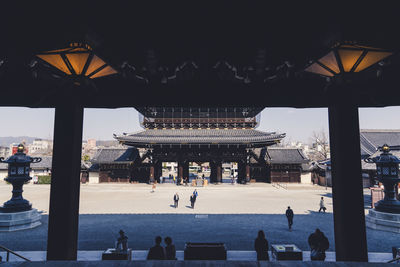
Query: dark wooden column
point(348, 200)
point(247, 173)
point(62, 239)
point(180, 169)
point(213, 174)
point(241, 172)
point(151, 176)
point(219, 172)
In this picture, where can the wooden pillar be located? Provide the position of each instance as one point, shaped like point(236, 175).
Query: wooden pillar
point(241, 172)
point(186, 169)
point(151, 176)
point(219, 172)
point(247, 173)
point(180, 169)
point(347, 190)
point(62, 239)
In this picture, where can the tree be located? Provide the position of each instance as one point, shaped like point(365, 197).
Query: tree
point(320, 143)
point(85, 158)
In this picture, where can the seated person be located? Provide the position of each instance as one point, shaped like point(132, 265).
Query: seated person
point(157, 252)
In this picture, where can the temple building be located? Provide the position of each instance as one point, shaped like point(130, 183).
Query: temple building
point(199, 135)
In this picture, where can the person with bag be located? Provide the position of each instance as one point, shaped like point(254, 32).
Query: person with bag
point(318, 243)
point(322, 205)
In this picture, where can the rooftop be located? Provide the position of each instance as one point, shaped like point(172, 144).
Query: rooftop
point(200, 136)
point(286, 156)
point(371, 139)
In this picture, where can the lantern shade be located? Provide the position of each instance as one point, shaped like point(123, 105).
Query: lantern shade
point(79, 60)
point(347, 58)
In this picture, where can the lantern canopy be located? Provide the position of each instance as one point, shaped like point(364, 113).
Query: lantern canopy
point(347, 58)
point(77, 60)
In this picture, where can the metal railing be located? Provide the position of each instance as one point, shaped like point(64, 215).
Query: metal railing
point(279, 185)
point(394, 260)
point(12, 252)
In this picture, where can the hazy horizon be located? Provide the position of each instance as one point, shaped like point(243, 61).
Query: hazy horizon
point(101, 124)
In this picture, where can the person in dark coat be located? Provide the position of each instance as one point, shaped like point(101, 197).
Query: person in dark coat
point(318, 243)
point(194, 200)
point(157, 252)
point(170, 251)
point(289, 216)
point(176, 200)
point(261, 247)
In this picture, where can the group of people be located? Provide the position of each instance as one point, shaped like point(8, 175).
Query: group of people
point(289, 212)
point(317, 241)
point(159, 252)
point(193, 198)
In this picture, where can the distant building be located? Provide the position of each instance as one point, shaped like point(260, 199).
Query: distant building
point(4, 152)
point(41, 146)
point(14, 148)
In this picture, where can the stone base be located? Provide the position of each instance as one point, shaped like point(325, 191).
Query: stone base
point(383, 221)
point(19, 220)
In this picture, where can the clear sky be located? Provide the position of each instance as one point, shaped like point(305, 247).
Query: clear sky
point(298, 124)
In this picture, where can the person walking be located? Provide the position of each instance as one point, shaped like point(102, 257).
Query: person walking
point(157, 252)
point(318, 243)
point(170, 251)
point(322, 205)
point(261, 247)
point(194, 199)
point(153, 188)
point(289, 216)
point(176, 200)
point(195, 193)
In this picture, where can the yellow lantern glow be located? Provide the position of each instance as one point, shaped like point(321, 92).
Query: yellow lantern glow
point(78, 59)
point(347, 58)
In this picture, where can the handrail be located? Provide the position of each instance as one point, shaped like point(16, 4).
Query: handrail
point(12, 252)
point(395, 259)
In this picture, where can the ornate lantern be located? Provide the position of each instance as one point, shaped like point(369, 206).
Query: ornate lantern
point(347, 58)
point(77, 61)
point(18, 174)
point(387, 170)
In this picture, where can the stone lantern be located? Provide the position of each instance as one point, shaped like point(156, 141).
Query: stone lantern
point(387, 170)
point(18, 175)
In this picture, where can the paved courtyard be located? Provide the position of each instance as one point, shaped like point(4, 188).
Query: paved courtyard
point(223, 213)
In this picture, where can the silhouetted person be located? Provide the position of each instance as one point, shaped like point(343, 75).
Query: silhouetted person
point(318, 244)
point(170, 251)
point(157, 252)
point(261, 247)
point(322, 205)
point(289, 216)
point(122, 242)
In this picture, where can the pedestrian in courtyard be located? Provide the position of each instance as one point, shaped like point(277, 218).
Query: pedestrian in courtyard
point(195, 193)
point(322, 205)
point(192, 200)
point(161, 179)
point(170, 251)
point(289, 216)
point(318, 243)
point(186, 181)
point(153, 188)
point(157, 252)
point(261, 247)
point(176, 200)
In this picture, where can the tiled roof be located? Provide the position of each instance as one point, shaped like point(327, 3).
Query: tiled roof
point(107, 155)
point(370, 140)
point(286, 156)
point(44, 164)
point(200, 136)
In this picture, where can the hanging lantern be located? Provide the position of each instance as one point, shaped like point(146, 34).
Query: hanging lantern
point(77, 60)
point(347, 58)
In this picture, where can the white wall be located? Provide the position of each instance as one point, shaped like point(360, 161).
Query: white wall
point(93, 177)
point(305, 178)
